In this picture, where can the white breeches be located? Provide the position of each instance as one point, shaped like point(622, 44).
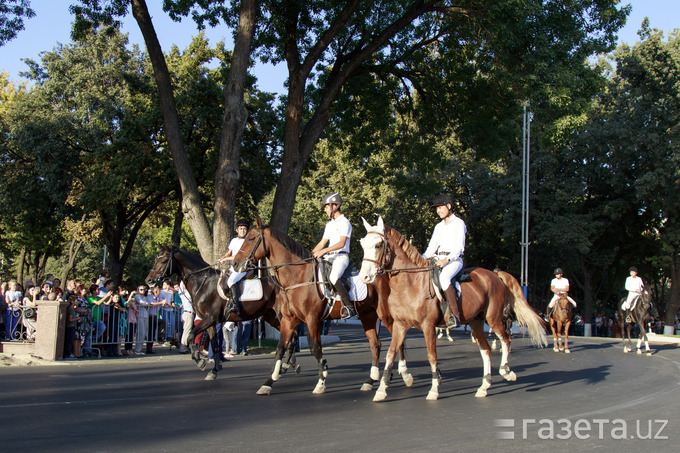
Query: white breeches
point(234, 277)
point(556, 298)
point(449, 271)
point(340, 262)
point(631, 297)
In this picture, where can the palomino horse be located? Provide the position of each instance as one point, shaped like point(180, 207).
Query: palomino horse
point(300, 300)
point(560, 320)
point(640, 316)
point(201, 280)
point(412, 302)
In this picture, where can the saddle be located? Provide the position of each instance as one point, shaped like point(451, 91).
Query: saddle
point(250, 287)
point(460, 277)
point(356, 289)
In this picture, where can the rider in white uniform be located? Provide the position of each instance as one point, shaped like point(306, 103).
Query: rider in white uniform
point(334, 248)
point(634, 286)
point(242, 227)
point(447, 245)
point(559, 285)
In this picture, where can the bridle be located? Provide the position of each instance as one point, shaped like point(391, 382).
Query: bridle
point(249, 262)
point(385, 256)
point(167, 270)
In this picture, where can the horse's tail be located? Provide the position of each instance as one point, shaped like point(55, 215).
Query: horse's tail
point(526, 316)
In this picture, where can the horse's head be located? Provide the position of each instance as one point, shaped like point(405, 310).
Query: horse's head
point(252, 250)
point(376, 251)
point(162, 267)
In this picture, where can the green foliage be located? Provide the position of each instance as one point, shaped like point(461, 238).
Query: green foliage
point(12, 14)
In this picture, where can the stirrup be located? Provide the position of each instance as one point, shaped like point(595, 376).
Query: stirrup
point(453, 322)
point(347, 312)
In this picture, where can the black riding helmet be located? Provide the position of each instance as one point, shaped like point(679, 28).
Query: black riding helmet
point(243, 222)
point(442, 200)
point(558, 271)
point(633, 269)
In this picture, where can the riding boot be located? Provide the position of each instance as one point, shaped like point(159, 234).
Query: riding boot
point(628, 318)
point(232, 306)
point(348, 307)
point(452, 300)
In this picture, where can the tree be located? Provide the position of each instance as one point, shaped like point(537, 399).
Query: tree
point(12, 14)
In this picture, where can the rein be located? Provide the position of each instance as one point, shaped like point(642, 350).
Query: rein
point(385, 260)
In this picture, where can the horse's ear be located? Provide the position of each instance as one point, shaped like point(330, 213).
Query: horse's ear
point(258, 222)
point(380, 224)
point(366, 224)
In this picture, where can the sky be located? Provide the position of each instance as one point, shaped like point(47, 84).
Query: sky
point(52, 25)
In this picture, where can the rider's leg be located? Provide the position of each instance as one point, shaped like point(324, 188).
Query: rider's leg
point(452, 299)
point(340, 263)
point(235, 292)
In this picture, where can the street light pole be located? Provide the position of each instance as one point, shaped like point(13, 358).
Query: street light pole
point(526, 155)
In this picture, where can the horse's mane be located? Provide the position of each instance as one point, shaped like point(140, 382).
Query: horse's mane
point(192, 258)
point(289, 243)
point(400, 241)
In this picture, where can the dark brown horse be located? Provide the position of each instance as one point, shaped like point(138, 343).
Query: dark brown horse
point(301, 300)
point(201, 281)
point(640, 316)
point(560, 320)
point(412, 302)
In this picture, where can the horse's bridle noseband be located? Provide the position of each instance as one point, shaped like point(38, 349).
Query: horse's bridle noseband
point(250, 262)
point(384, 260)
point(167, 270)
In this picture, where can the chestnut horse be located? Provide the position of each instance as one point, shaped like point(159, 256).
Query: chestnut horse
point(412, 302)
point(640, 316)
point(301, 300)
point(560, 320)
point(201, 281)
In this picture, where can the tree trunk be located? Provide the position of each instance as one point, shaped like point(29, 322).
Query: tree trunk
point(673, 304)
point(73, 250)
point(227, 175)
point(20, 266)
point(177, 226)
point(191, 201)
point(587, 287)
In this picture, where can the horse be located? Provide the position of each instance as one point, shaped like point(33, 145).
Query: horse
point(560, 320)
point(301, 300)
point(640, 316)
point(202, 282)
point(412, 302)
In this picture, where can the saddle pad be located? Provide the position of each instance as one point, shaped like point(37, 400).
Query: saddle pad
point(250, 290)
point(357, 291)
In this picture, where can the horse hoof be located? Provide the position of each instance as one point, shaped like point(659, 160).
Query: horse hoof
point(297, 368)
point(408, 379)
point(202, 364)
point(639, 351)
point(561, 349)
point(649, 353)
point(481, 393)
point(265, 390)
point(319, 389)
point(626, 351)
point(211, 376)
point(380, 396)
point(432, 396)
point(366, 387)
point(567, 351)
point(512, 377)
point(556, 350)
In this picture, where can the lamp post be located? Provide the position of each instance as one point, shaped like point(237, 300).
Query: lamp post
point(526, 154)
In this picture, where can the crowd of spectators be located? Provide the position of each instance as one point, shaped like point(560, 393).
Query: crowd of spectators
point(104, 320)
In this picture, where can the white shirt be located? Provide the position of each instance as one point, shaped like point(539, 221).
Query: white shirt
point(447, 237)
point(634, 284)
point(185, 297)
point(235, 245)
point(336, 229)
point(560, 284)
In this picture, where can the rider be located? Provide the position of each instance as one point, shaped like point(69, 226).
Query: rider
point(634, 286)
point(242, 227)
point(559, 285)
point(447, 245)
point(334, 248)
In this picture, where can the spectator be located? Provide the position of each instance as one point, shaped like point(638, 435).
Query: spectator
point(118, 324)
point(132, 315)
point(84, 328)
point(243, 336)
point(13, 298)
point(29, 317)
point(229, 339)
point(72, 320)
point(4, 311)
point(187, 316)
point(155, 301)
point(166, 331)
point(142, 317)
point(95, 305)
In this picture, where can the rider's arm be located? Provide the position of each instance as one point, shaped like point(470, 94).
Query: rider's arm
point(316, 251)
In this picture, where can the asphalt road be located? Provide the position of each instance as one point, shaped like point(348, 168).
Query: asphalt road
point(596, 397)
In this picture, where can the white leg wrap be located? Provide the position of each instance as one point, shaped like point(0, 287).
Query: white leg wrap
point(277, 371)
point(402, 366)
point(375, 373)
